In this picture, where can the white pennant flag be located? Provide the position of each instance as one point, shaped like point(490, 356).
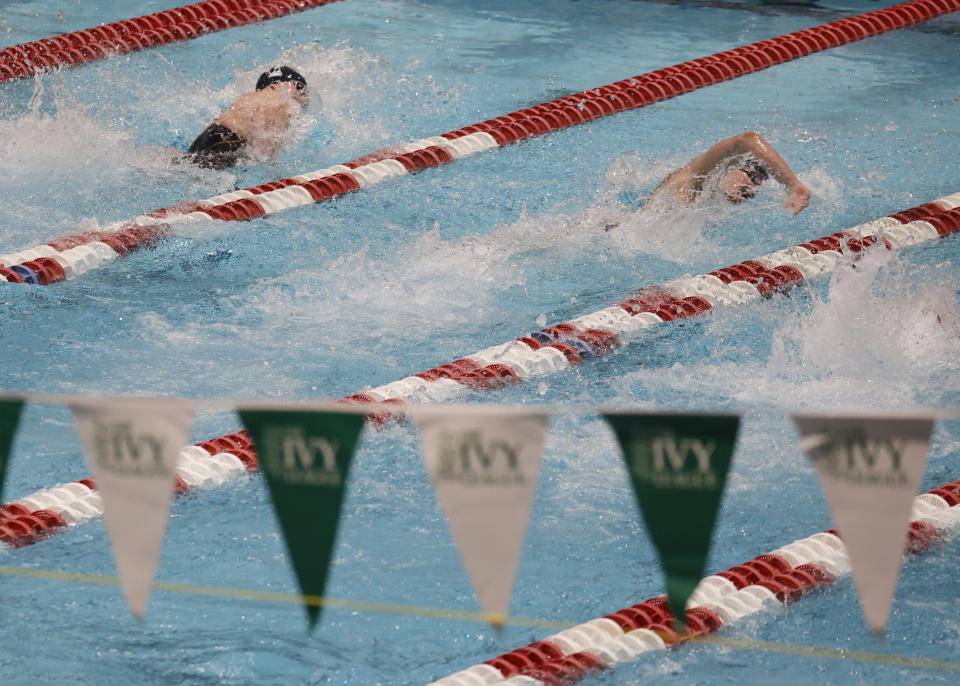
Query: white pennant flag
point(484, 464)
point(132, 445)
point(870, 469)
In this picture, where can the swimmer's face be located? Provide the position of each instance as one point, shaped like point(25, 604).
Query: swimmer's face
point(737, 186)
point(301, 96)
point(297, 94)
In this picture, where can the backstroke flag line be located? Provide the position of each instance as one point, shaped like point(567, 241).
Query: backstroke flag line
point(305, 457)
point(870, 469)
point(9, 418)
point(132, 445)
point(484, 463)
point(678, 464)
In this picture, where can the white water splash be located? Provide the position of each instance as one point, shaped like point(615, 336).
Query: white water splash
point(881, 337)
point(38, 142)
point(878, 335)
point(429, 283)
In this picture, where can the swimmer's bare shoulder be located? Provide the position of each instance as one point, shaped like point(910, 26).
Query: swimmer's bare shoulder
point(681, 186)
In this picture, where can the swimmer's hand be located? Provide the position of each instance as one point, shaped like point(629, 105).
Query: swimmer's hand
point(798, 197)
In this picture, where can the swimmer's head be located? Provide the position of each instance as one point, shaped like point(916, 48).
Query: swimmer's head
point(282, 75)
point(743, 182)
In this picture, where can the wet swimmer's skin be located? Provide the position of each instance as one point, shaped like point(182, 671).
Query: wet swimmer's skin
point(255, 124)
point(744, 162)
point(740, 165)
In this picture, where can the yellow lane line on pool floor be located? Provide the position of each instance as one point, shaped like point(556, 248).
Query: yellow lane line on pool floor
point(292, 598)
point(846, 654)
point(467, 616)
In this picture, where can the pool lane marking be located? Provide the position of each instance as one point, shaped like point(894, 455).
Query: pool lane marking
point(69, 256)
point(277, 597)
point(822, 652)
point(290, 598)
point(149, 31)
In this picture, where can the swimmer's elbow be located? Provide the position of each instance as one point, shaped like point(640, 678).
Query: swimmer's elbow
point(751, 141)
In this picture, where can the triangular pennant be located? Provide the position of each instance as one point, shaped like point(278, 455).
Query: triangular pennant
point(132, 445)
point(870, 470)
point(9, 417)
point(305, 457)
point(678, 465)
point(484, 464)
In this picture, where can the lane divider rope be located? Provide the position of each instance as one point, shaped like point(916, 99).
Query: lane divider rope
point(585, 338)
point(780, 577)
point(41, 514)
point(149, 31)
point(547, 351)
point(70, 256)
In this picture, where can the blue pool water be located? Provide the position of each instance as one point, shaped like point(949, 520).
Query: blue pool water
point(323, 301)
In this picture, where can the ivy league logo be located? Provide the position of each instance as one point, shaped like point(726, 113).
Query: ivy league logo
point(851, 456)
point(122, 452)
point(669, 462)
point(467, 459)
point(296, 458)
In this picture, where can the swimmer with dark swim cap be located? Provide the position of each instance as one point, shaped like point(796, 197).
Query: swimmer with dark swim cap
point(281, 75)
point(255, 124)
point(744, 162)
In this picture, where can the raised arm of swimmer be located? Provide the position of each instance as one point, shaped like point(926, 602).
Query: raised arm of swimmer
point(745, 161)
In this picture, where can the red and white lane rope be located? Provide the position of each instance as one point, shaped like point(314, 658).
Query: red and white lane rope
point(40, 514)
point(543, 352)
point(151, 30)
point(777, 578)
point(559, 346)
point(72, 255)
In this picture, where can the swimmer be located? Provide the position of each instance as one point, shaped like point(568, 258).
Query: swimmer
point(256, 123)
point(740, 164)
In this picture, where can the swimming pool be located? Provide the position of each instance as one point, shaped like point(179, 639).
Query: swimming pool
point(322, 301)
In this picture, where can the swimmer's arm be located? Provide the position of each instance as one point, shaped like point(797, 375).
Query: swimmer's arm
point(685, 182)
point(753, 145)
point(744, 145)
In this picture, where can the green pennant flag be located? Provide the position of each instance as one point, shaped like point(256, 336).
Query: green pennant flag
point(9, 417)
point(305, 457)
point(678, 465)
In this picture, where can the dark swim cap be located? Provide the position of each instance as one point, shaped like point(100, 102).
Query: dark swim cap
point(280, 74)
point(756, 171)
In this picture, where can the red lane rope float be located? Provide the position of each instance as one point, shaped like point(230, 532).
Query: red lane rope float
point(151, 30)
point(81, 252)
point(542, 352)
point(778, 578)
point(39, 515)
point(562, 345)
